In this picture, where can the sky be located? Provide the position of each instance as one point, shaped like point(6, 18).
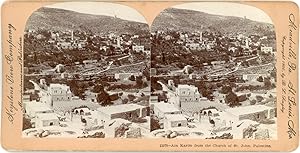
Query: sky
point(228, 9)
point(102, 8)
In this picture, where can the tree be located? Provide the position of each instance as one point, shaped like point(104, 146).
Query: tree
point(103, 99)
point(98, 89)
point(259, 98)
point(131, 97)
point(267, 83)
point(146, 73)
point(131, 78)
point(242, 98)
point(226, 89)
point(205, 90)
point(232, 99)
point(253, 102)
point(154, 124)
point(260, 79)
point(125, 101)
point(77, 89)
point(26, 123)
point(139, 82)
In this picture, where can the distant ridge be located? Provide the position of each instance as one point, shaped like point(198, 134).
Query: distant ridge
point(191, 21)
point(60, 19)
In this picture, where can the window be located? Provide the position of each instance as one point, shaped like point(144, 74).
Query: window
point(51, 124)
point(179, 124)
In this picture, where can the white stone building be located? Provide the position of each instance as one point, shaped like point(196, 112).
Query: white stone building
point(174, 120)
point(187, 93)
point(161, 109)
point(46, 119)
point(267, 49)
point(252, 112)
point(56, 93)
point(33, 108)
point(125, 111)
point(138, 48)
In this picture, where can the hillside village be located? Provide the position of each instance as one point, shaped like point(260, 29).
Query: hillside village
point(157, 83)
point(208, 85)
point(86, 84)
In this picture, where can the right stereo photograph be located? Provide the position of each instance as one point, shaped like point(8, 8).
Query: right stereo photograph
point(213, 73)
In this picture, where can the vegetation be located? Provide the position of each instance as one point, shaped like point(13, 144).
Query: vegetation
point(104, 99)
point(26, 123)
point(232, 99)
point(154, 124)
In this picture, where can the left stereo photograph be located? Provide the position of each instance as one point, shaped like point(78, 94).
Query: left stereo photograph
point(86, 72)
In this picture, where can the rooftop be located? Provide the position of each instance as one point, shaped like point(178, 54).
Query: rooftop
point(175, 117)
point(166, 107)
point(37, 106)
point(47, 116)
point(247, 109)
point(117, 122)
point(57, 85)
point(83, 109)
point(182, 86)
point(119, 108)
point(61, 86)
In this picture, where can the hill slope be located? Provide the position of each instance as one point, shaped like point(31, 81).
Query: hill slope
point(191, 21)
point(59, 19)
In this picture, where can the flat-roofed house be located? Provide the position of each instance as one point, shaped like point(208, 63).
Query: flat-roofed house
point(111, 127)
point(266, 49)
point(186, 93)
point(138, 48)
point(46, 119)
point(59, 92)
point(252, 112)
point(33, 108)
point(125, 111)
point(174, 120)
point(161, 109)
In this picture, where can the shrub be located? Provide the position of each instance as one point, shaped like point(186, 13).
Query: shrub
point(125, 101)
point(226, 89)
point(242, 98)
point(266, 121)
point(253, 102)
point(26, 123)
point(154, 124)
point(260, 79)
point(259, 98)
point(131, 97)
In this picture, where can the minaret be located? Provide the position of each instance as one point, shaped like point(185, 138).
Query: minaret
point(247, 43)
point(119, 42)
point(72, 35)
point(201, 36)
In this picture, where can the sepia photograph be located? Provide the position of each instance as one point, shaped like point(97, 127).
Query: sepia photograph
point(201, 70)
point(86, 72)
point(213, 73)
point(154, 76)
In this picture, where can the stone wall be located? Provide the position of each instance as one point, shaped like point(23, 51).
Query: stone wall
point(133, 133)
